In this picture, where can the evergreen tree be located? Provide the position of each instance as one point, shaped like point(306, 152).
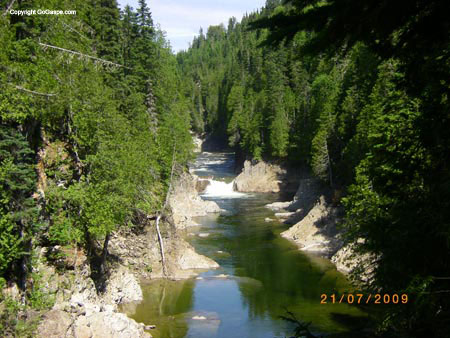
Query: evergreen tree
point(17, 208)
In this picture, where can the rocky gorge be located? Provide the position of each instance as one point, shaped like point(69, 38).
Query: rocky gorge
point(85, 309)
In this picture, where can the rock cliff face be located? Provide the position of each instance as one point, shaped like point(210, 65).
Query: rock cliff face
point(122, 287)
point(344, 259)
point(80, 311)
point(347, 260)
point(140, 252)
point(306, 197)
point(317, 231)
point(190, 260)
point(314, 219)
point(260, 177)
point(186, 203)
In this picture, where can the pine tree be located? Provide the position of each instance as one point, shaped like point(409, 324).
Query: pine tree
point(17, 208)
point(144, 19)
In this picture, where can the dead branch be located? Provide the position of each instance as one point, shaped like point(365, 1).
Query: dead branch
point(34, 92)
point(72, 52)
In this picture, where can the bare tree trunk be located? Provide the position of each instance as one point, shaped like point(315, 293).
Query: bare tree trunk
point(158, 218)
point(161, 245)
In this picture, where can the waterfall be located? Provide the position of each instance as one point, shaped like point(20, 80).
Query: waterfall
point(222, 190)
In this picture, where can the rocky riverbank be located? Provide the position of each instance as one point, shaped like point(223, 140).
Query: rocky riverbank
point(312, 213)
point(315, 219)
point(316, 231)
point(87, 308)
point(80, 310)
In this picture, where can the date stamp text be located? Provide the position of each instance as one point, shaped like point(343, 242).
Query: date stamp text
point(360, 298)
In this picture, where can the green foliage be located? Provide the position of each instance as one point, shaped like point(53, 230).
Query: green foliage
point(389, 183)
point(62, 205)
point(235, 106)
point(301, 329)
point(279, 133)
point(10, 243)
point(320, 159)
point(17, 208)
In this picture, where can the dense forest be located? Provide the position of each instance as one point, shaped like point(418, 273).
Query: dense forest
point(92, 119)
point(95, 110)
point(357, 91)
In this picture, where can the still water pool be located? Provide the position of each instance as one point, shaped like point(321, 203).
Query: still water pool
point(261, 276)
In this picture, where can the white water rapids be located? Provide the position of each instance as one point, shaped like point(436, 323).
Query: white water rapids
point(210, 165)
point(221, 189)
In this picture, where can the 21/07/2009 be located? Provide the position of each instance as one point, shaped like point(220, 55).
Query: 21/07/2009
point(360, 298)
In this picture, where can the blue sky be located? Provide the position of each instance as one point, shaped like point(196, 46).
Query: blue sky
point(182, 19)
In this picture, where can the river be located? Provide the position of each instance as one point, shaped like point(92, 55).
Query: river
point(261, 275)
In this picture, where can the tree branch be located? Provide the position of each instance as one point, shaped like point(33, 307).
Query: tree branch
point(34, 92)
point(106, 62)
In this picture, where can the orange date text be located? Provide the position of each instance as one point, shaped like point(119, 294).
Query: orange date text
point(360, 298)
